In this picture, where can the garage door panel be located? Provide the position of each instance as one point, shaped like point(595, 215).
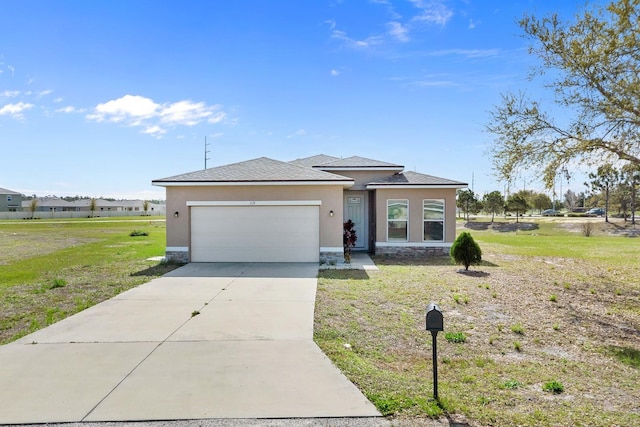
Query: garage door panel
point(255, 234)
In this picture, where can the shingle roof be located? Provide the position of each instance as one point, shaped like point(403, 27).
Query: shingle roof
point(262, 169)
point(314, 160)
point(415, 178)
point(6, 191)
point(322, 161)
point(359, 162)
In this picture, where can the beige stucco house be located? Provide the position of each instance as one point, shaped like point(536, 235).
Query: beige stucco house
point(265, 210)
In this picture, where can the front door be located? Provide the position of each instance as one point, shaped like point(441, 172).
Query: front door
point(355, 209)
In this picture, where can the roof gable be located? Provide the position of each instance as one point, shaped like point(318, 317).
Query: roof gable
point(7, 191)
point(415, 179)
point(324, 162)
point(314, 160)
point(260, 170)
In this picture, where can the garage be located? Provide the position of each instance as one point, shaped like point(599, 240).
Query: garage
point(255, 231)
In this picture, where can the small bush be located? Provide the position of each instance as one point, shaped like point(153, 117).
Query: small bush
point(511, 384)
point(517, 346)
point(455, 337)
point(554, 387)
point(517, 329)
point(465, 250)
point(58, 283)
point(587, 229)
point(136, 233)
point(553, 298)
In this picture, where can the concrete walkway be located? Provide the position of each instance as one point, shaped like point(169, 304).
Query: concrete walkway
point(204, 341)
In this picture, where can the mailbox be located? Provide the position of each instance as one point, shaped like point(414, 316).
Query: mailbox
point(435, 321)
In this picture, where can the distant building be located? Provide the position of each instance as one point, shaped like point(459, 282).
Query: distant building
point(48, 204)
point(10, 201)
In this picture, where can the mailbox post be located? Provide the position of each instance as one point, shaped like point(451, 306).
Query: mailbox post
point(435, 323)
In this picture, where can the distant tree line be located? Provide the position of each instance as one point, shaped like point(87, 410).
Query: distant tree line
point(614, 189)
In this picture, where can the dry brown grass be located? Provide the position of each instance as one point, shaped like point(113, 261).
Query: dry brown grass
point(587, 336)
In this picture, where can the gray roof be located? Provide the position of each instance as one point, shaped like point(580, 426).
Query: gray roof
point(5, 191)
point(262, 169)
point(48, 202)
point(322, 161)
point(312, 161)
point(417, 179)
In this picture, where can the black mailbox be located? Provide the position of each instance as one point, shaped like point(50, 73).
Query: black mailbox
point(435, 321)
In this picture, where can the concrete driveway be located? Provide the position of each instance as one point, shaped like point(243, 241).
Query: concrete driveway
point(205, 341)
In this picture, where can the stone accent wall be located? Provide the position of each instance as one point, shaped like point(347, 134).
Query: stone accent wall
point(410, 251)
point(181, 257)
point(328, 257)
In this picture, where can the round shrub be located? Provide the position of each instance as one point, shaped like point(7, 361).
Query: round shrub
point(465, 250)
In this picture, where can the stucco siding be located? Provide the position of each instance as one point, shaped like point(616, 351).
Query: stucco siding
point(416, 197)
point(329, 195)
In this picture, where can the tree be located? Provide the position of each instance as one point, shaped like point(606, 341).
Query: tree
point(145, 207)
point(517, 203)
point(631, 176)
point(93, 206)
point(33, 206)
point(604, 180)
point(594, 66)
point(493, 203)
point(465, 250)
point(540, 201)
point(468, 202)
point(571, 200)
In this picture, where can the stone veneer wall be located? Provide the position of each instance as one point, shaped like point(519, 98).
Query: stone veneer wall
point(411, 251)
point(181, 257)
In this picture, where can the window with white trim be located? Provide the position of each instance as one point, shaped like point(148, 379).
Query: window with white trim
point(9, 198)
point(397, 220)
point(433, 220)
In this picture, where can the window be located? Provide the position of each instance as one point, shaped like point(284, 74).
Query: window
point(397, 220)
point(9, 198)
point(433, 220)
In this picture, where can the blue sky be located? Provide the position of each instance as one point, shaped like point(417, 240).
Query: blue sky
point(99, 98)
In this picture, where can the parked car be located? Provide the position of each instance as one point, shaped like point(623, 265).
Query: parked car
point(595, 212)
point(550, 212)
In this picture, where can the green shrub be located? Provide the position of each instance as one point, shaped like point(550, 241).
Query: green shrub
point(465, 250)
point(58, 283)
point(455, 337)
point(511, 384)
point(136, 233)
point(554, 387)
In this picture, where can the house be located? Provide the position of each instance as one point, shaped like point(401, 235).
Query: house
point(10, 201)
point(48, 204)
point(265, 210)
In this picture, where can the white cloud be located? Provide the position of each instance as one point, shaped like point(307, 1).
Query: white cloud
point(432, 12)
point(44, 92)
point(15, 110)
point(335, 73)
point(139, 111)
point(299, 132)
point(58, 100)
point(472, 24)
point(398, 31)
point(10, 68)
point(155, 130)
point(69, 109)
point(356, 44)
point(10, 93)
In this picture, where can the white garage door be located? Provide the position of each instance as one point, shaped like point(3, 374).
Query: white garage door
point(255, 233)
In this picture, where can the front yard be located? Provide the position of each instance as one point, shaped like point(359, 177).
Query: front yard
point(548, 304)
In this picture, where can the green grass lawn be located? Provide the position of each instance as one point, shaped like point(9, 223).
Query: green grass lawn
point(51, 269)
point(549, 309)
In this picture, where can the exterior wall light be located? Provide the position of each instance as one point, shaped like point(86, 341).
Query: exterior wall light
point(176, 214)
point(330, 213)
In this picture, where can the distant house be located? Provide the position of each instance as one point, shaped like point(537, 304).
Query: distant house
point(101, 205)
point(48, 204)
point(10, 201)
point(138, 206)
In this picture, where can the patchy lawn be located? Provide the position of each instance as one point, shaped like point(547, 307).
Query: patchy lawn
point(548, 307)
point(52, 269)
